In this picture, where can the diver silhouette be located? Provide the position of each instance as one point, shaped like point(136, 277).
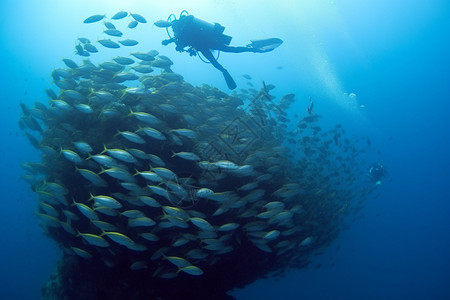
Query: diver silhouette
point(377, 172)
point(202, 36)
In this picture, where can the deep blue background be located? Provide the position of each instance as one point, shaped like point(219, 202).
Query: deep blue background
point(394, 57)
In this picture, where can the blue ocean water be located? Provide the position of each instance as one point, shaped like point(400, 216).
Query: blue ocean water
point(392, 56)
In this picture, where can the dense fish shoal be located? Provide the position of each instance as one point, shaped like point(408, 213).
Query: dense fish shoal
point(151, 182)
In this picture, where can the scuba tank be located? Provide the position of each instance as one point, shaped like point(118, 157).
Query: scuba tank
point(214, 30)
point(206, 26)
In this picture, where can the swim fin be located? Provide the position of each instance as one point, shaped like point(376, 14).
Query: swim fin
point(229, 80)
point(266, 45)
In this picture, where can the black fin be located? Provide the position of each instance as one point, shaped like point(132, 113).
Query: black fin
point(266, 45)
point(230, 81)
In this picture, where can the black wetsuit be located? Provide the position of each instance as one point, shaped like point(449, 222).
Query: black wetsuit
point(203, 37)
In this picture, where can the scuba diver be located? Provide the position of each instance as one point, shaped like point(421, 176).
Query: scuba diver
point(201, 36)
point(377, 172)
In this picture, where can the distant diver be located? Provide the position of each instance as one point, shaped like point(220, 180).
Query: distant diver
point(311, 106)
point(377, 172)
point(202, 36)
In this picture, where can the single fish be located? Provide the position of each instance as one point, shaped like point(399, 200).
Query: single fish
point(48, 209)
point(226, 164)
point(86, 210)
point(141, 222)
point(123, 60)
point(106, 201)
point(81, 253)
point(84, 40)
point(137, 90)
point(109, 25)
point(204, 193)
point(165, 173)
point(123, 76)
point(153, 133)
point(129, 42)
point(146, 117)
point(94, 240)
point(271, 235)
point(132, 24)
point(175, 212)
point(159, 191)
point(169, 108)
point(274, 205)
point(119, 174)
point(149, 236)
point(143, 56)
point(149, 201)
point(119, 238)
point(104, 160)
point(48, 220)
point(84, 108)
point(162, 24)
point(228, 227)
point(112, 66)
point(248, 186)
point(90, 48)
point(93, 19)
point(104, 95)
point(187, 156)
point(180, 242)
point(131, 136)
point(131, 186)
point(281, 218)
point(119, 15)
point(143, 69)
point(307, 241)
point(202, 224)
point(185, 132)
point(191, 270)
point(69, 63)
point(104, 225)
point(72, 156)
point(133, 213)
point(178, 261)
point(83, 147)
point(120, 155)
point(150, 176)
point(156, 160)
point(109, 44)
point(139, 18)
point(113, 32)
point(138, 265)
point(107, 211)
point(92, 177)
point(62, 105)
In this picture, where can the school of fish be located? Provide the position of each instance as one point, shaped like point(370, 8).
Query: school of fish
point(178, 181)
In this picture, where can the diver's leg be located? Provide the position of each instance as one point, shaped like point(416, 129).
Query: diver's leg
point(209, 56)
point(229, 80)
point(226, 48)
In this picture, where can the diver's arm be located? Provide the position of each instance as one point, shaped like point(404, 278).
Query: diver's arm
point(178, 47)
point(168, 41)
point(173, 40)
